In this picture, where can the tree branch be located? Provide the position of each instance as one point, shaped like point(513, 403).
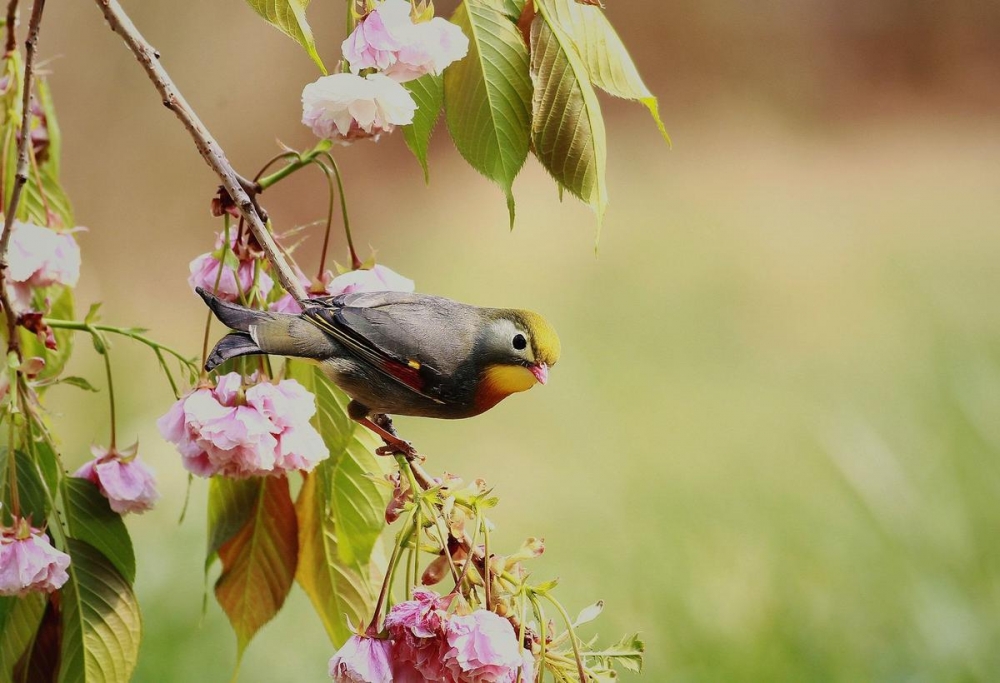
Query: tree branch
point(210, 150)
point(11, 26)
point(21, 170)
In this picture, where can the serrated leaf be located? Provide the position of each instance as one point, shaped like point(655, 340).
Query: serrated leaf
point(340, 593)
point(356, 503)
point(91, 519)
point(101, 625)
point(488, 95)
point(258, 563)
point(428, 93)
point(629, 652)
point(40, 662)
point(289, 17)
point(19, 619)
point(78, 382)
point(609, 65)
point(567, 127)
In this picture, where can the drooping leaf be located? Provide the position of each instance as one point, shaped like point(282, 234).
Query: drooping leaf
point(230, 504)
point(609, 65)
point(567, 126)
point(428, 93)
point(487, 95)
point(31, 491)
point(356, 503)
point(341, 513)
point(341, 593)
point(289, 17)
point(40, 662)
point(91, 519)
point(101, 625)
point(258, 563)
point(19, 620)
point(78, 382)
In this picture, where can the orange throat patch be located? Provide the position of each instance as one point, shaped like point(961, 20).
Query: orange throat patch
point(500, 381)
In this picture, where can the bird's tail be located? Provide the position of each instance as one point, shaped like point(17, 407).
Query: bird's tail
point(256, 332)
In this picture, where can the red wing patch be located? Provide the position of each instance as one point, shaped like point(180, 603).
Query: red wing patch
point(407, 374)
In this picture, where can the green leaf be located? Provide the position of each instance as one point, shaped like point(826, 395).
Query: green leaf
point(40, 661)
point(567, 126)
point(629, 652)
point(289, 17)
point(230, 504)
point(31, 490)
point(340, 593)
point(19, 620)
point(609, 65)
point(78, 382)
point(488, 95)
point(101, 625)
point(428, 93)
point(92, 520)
point(258, 563)
point(356, 503)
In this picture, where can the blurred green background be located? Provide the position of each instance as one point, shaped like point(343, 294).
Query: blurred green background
point(772, 443)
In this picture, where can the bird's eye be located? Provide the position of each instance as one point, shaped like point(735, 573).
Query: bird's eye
point(520, 343)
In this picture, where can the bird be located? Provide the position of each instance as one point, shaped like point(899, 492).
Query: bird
point(399, 353)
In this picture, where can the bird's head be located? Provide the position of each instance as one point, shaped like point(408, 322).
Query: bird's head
point(517, 349)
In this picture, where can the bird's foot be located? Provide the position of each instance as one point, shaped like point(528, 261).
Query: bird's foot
point(382, 426)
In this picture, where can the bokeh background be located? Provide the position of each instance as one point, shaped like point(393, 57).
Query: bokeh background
point(772, 444)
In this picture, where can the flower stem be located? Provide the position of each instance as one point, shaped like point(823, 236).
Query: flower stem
point(329, 220)
point(355, 261)
point(106, 353)
point(572, 636)
point(15, 497)
point(301, 160)
point(78, 326)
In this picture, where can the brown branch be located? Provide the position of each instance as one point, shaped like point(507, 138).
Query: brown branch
point(210, 150)
point(11, 27)
point(20, 172)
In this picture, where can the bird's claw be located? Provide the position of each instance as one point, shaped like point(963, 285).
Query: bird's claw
point(398, 447)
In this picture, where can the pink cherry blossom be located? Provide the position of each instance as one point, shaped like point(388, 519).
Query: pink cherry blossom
point(417, 628)
point(205, 271)
point(388, 39)
point(122, 478)
point(378, 278)
point(239, 433)
point(28, 562)
point(346, 107)
point(362, 660)
point(484, 648)
point(39, 257)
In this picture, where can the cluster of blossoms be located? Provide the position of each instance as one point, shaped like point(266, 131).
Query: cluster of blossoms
point(122, 478)
point(239, 431)
point(212, 267)
point(390, 48)
point(430, 640)
point(28, 562)
point(39, 257)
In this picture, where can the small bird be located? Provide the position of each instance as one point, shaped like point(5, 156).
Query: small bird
point(397, 353)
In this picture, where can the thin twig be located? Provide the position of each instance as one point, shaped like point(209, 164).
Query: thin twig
point(20, 173)
point(11, 27)
point(210, 150)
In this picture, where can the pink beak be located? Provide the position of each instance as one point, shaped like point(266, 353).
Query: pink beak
point(541, 372)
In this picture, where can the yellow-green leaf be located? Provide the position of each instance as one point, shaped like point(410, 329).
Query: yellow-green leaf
point(258, 563)
point(608, 62)
point(289, 17)
point(19, 619)
point(341, 593)
point(101, 626)
point(487, 95)
point(567, 127)
point(428, 93)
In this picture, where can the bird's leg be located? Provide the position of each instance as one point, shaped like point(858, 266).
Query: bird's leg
point(382, 426)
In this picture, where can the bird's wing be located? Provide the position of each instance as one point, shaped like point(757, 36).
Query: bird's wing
point(396, 333)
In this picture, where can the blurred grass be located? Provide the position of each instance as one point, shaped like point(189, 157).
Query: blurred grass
point(772, 443)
